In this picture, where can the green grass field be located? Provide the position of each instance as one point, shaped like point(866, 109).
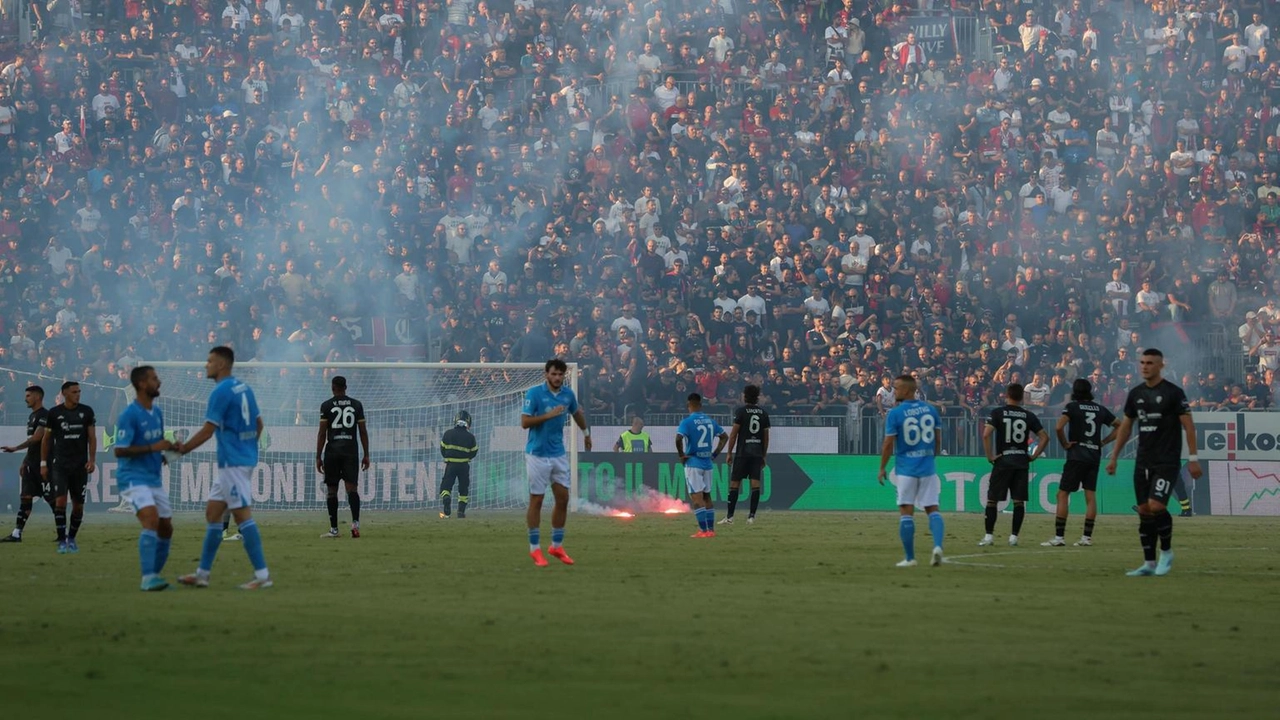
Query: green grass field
point(800, 616)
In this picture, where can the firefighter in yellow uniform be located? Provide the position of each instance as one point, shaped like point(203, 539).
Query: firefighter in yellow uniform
point(458, 447)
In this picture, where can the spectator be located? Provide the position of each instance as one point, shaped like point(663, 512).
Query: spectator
point(724, 171)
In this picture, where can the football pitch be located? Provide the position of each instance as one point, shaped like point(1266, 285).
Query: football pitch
point(802, 615)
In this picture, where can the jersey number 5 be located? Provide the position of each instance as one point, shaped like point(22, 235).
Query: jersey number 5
point(344, 418)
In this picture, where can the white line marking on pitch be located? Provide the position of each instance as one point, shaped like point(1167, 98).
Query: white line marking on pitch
point(960, 559)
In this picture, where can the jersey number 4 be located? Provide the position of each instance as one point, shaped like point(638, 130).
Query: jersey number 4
point(344, 418)
point(918, 430)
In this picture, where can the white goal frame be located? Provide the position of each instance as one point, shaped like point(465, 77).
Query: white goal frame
point(571, 379)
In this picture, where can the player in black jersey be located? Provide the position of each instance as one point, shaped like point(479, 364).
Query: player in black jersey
point(66, 462)
point(458, 447)
point(748, 451)
point(1083, 429)
point(1163, 417)
point(29, 472)
point(338, 456)
point(1011, 427)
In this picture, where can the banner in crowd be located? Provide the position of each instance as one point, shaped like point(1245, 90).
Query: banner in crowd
point(385, 339)
point(936, 35)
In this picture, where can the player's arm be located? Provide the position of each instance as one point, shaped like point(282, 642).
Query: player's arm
point(260, 427)
point(1193, 462)
point(764, 445)
point(680, 447)
point(126, 433)
point(202, 436)
point(724, 440)
point(617, 444)
point(1115, 423)
point(1043, 442)
point(46, 449)
point(36, 438)
point(987, 430)
point(886, 452)
point(364, 436)
point(92, 442)
point(581, 419)
point(528, 421)
point(1122, 437)
point(733, 442)
point(322, 435)
point(1060, 431)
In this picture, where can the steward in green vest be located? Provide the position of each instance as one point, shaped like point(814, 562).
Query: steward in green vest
point(635, 439)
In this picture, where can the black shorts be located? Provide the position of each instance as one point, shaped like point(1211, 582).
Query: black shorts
point(67, 478)
point(458, 472)
point(1008, 482)
point(31, 485)
point(746, 467)
point(1077, 474)
point(1155, 483)
point(341, 468)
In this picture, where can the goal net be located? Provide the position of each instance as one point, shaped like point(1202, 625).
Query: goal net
point(408, 406)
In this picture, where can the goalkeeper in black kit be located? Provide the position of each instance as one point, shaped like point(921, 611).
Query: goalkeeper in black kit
point(458, 447)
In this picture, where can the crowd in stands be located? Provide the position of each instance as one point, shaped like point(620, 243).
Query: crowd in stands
point(678, 194)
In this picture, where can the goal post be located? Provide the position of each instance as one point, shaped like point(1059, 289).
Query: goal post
point(408, 406)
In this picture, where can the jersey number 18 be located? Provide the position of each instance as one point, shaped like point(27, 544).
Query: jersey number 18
point(1015, 431)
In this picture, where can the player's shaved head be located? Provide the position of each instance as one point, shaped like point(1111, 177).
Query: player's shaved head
point(339, 382)
point(694, 400)
point(225, 353)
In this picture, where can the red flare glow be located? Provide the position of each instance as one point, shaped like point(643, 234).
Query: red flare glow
point(672, 511)
point(622, 514)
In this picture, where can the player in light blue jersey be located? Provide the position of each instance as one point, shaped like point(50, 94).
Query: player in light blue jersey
point(233, 417)
point(139, 443)
point(913, 437)
point(545, 460)
point(693, 445)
